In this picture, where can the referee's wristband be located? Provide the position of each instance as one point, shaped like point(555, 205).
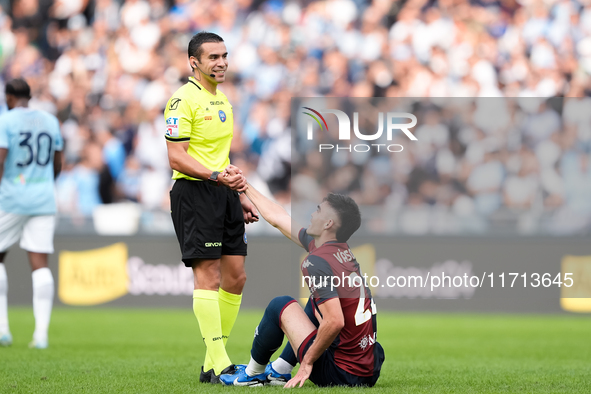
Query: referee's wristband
point(239, 193)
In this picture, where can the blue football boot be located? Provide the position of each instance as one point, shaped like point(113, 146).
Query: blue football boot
point(240, 378)
point(275, 378)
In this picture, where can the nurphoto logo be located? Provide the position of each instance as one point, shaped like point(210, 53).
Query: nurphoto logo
point(393, 125)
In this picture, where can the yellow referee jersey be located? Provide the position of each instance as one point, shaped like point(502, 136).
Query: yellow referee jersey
point(193, 114)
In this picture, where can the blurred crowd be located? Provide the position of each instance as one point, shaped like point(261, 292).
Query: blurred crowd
point(504, 165)
point(106, 68)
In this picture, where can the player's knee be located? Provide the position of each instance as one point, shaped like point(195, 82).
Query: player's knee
point(276, 307)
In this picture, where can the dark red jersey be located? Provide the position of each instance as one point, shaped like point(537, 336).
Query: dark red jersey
point(331, 271)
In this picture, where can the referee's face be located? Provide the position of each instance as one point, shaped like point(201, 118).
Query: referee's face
point(214, 60)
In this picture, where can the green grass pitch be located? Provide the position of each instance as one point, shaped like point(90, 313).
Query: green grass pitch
point(160, 351)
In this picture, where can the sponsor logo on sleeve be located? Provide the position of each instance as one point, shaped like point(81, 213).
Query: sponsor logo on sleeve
point(172, 127)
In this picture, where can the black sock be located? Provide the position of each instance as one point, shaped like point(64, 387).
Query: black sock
point(269, 336)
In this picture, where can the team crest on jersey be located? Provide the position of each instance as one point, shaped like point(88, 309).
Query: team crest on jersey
point(222, 115)
point(172, 127)
point(367, 340)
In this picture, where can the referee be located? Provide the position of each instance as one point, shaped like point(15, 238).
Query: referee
point(208, 211)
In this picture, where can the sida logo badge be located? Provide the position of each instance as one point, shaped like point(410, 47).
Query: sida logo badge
point(393, 124)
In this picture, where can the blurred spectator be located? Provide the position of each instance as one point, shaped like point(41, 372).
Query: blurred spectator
point(109, 66)
point(87, 180)
point(113, 152)
point(480, 164)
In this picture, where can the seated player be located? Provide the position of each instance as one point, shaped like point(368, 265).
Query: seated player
point(334, 337)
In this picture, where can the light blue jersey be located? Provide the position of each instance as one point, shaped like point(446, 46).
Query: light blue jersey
point(31, 137)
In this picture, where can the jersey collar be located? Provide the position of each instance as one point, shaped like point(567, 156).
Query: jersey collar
point(200, 87)
point(194, 82)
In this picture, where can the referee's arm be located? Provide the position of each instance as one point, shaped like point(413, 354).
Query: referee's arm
point(275, 214)
point(181, 161)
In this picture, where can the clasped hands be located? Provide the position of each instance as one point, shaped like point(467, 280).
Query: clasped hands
point(233, 178)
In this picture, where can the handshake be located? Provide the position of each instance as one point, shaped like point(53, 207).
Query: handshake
point(233, 178)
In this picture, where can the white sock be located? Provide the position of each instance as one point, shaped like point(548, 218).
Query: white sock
point(254, 368)
point(3, 301)
point(42, 302)
point(282, 366)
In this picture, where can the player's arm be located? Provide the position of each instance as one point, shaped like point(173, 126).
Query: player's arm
point(57, 163)
point(274, 213)
point(3, 154)
point(331, 325)
point(3, 147)
point(58, 147)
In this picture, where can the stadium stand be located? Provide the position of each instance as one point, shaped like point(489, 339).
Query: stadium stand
point(106, 69)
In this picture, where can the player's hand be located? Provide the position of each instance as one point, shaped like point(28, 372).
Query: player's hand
point(250, 212)
point(232, 170)
point(300, 377)
point(235, 182)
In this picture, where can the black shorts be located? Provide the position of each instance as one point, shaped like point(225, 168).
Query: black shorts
point(208, 220)
point(326, 372)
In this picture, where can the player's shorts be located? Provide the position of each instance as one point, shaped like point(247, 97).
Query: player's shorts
point(35, 232)
point(326, 372)
point(208, 220)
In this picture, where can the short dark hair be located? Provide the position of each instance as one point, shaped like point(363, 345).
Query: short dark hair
point(18, 88)
point(348, 212)
point(198, 40)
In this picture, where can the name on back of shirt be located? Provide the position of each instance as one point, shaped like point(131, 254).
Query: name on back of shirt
point(344, 256)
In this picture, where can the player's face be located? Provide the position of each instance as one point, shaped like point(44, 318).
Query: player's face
point(323, 218)
point(11, 101)
point(214, 60)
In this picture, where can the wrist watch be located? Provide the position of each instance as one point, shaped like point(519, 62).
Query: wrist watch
point(213, 179)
